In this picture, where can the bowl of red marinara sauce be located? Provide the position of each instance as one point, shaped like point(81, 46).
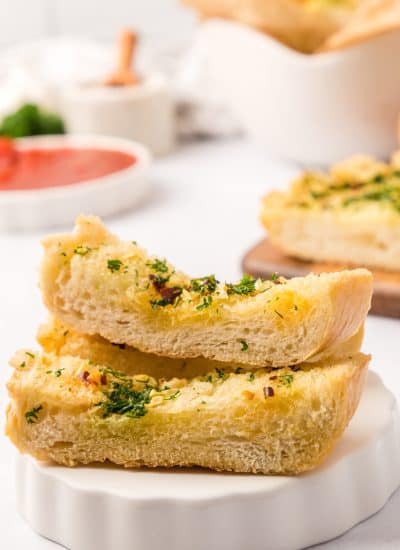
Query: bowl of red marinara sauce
point(49, 180)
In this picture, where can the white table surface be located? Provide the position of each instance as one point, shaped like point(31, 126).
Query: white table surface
point(202, 214)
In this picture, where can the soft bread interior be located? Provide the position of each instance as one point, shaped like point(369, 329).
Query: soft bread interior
point(96, 284)
point(56, 338)
point(271, 421)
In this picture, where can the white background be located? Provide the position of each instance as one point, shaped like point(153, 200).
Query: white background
point(159, 20)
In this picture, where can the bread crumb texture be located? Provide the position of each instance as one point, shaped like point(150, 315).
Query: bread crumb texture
point(271, 421)
point(97, 284)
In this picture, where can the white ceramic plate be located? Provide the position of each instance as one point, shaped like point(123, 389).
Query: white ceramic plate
point(99, 508)
point(314, 109)
point(107, 195)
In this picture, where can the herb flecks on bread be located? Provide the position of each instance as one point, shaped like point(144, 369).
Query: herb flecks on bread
point(267, 421)
point(96, 284)
point(357, 183)
point(350, 215)
point(55, 338)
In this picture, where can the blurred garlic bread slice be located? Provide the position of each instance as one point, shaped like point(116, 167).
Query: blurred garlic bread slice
point(373, 18)
point(282, 421)
point(54, 337)
point(350, 215)
point(96, 284)
point(301, 24)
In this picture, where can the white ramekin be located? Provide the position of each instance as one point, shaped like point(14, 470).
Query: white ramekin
point(314, 109)
point(103, 196)
point(143, 113)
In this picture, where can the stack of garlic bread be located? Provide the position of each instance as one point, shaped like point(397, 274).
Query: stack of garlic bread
point(350, 215)
point(142, 365)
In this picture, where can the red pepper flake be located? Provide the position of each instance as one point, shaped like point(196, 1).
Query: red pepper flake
point(103, 379)
point(268, 392)
point(273, 377)
point(158, 281)
point(170, 294)
point(83, 376)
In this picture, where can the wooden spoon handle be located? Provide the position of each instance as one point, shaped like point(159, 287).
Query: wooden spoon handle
point(127, 47)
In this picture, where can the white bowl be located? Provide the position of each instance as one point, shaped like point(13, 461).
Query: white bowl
point(314, 109)
point(103, 196)
point(144, 113)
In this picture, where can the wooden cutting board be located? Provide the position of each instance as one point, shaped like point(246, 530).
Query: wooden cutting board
point(263, 260)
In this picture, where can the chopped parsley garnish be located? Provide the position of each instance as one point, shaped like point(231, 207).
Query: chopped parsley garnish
point(32, 415)
point(238, 370)
point(279, 314)
point(65, 333)
point(58, 372)
point(246, 285)
point(114, 265)
point(82, 250)
point(115, 373)
point(274, 277)
point(172, 396)
point(158, 265)
point(29, 354)
point(251, 377)
point(22, 365)
point(124, 400)
point(221, 374)
point(207, 301)
point(158, 280)
point(286, 379)
point(244, 345)
point(204, 285)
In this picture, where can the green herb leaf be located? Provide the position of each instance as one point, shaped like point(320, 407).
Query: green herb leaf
point(204, 285)
point(30, 120)
point(29, 354)
point(246, 285)
point(82, 250)
point(173, 396)
point(221, 374)
point(124, 400)
point(244, 345)
point(251, 377)
point(32, 415)
point(58, 372)
point(274, 277)
point(286, 379)
point(114, 265)
point(207, 301)
point(158, 265)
